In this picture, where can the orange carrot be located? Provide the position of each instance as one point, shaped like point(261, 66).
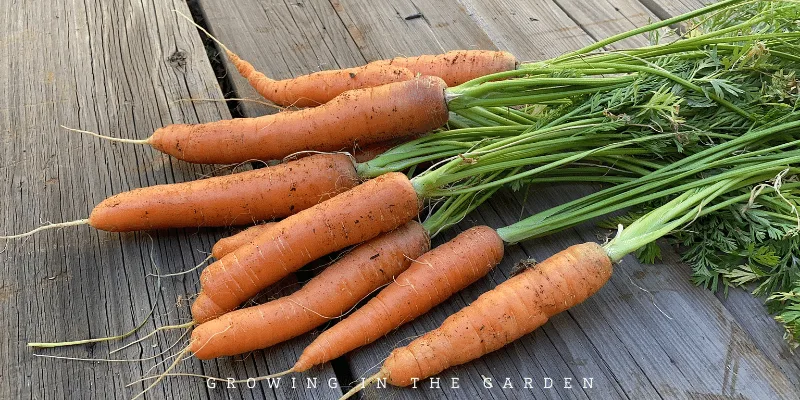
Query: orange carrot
point(364, 212)
point(434, 277)
point(319, 87)
point(458, 66)
point(504, 314)
point(454, 67)
point(356, 117)
point(233, 242)
point(234, 199)
point(330, 294)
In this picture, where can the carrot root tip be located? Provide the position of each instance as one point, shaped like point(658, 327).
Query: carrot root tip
point(47, 227)
point(159, 329)
point(178, 359)
point(362, 385)
point(188, 271)
point(111, 138)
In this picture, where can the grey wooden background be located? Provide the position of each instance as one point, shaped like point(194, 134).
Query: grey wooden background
point(126, 68)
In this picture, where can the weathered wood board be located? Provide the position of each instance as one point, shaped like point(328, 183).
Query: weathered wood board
point(668, 9)
point(118, 68)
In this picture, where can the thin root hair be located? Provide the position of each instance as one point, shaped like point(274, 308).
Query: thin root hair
point(210, 36)
point(652, 299)
point(214, 378)
point(362, 386)
point(159, 329)
point(48, 227)
point(111, 138)
point(158, 364)
point(178, 359)
point(190, 270)
point(264, 103)
point(344, 313)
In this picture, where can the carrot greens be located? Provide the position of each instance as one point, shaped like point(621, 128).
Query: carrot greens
point(698, 138)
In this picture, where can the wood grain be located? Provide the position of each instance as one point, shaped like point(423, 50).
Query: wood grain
point(531, 30)
point(119, 68)
point(668, 9)
point(604, 18)
point(386, 29)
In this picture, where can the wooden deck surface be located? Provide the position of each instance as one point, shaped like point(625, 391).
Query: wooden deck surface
point(126, 68)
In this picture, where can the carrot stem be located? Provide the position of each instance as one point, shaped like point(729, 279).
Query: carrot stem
point(665, 219)
point(661, 183)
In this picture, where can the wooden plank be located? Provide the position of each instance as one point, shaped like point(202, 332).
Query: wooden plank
point(604, 18)
point(764, 331)
point(531, 30)
point(282, 39)
point(385, 29)
point(544, 29)
point(118, 68)
point(668, 9)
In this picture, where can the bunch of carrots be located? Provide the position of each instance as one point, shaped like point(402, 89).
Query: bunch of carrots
point(681, 131)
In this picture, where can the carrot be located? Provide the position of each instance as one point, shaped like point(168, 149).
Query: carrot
point(374, 207)
point(329, 295)
point(434, 277)
point(233, 242)
point(511, 310)
point(319, 87)
point(458, 66)
point(454, 67)
point(359, 272)
point(234, 199)
point(356, 117)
